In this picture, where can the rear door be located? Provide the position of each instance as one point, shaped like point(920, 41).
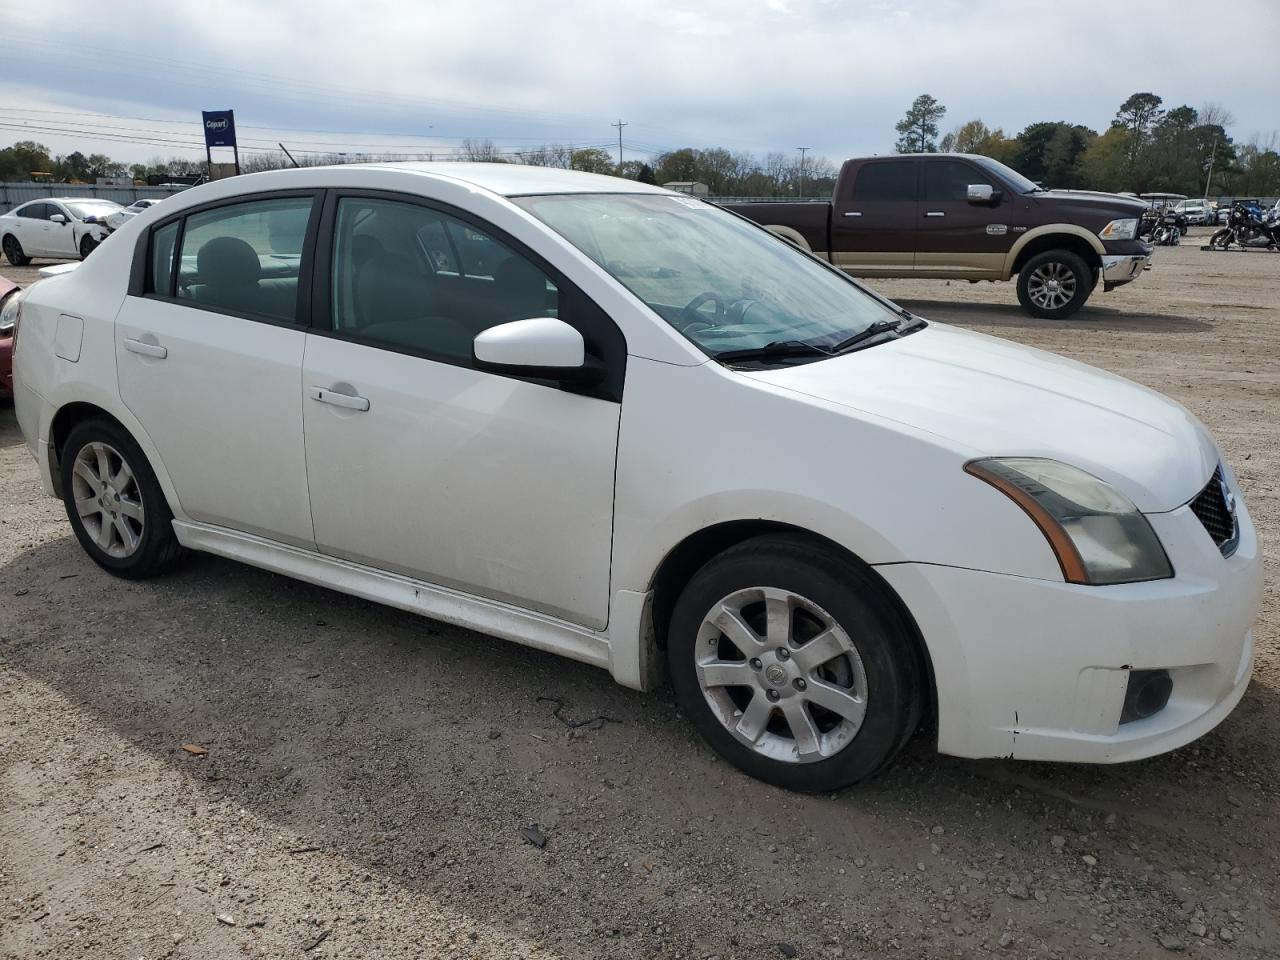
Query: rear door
point(874, 219)
point(209, 359)
point(32, 228)
point(958, 238)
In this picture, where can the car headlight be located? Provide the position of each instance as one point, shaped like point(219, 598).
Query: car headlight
point(9, 313)
point(1095, 531)
point(1120, 230)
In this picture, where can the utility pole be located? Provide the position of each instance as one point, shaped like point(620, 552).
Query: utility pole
point(620, 124)
point(802, 153)
point(1213, 152)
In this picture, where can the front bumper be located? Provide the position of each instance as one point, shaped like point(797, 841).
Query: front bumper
point(1119, 269)
point(6, 366)
point(1037, 670)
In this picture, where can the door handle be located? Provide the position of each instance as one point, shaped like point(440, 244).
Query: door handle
point(935, 213)
point(146, 349)
point(853, 213)
point(344, 400)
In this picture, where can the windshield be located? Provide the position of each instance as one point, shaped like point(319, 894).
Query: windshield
point(92, 208)
point(1014, 178)
point(722, 282)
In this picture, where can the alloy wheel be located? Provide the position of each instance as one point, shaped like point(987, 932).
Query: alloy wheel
point(781, 675)
point(1052, 285)
point(108, 500)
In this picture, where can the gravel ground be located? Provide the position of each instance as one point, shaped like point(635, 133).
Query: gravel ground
point(369, 774)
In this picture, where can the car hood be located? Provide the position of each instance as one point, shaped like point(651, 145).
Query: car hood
point(997, 398)
point(1093, 200)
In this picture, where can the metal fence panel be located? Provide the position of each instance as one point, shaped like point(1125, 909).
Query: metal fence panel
point(13, 194)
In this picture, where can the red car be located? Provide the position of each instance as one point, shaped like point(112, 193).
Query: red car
point(7, 289)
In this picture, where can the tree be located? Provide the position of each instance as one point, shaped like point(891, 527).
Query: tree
point(23, 159)
point(592, 160)
point(1050, 152)
point(637, 170)
point(1104, 165)
point(480, 151)
point(919, 128)
point(1137, 115)
point(970, 137)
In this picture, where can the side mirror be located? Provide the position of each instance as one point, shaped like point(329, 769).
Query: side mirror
point(58, 218)
point(983, 193)
point(540, 347)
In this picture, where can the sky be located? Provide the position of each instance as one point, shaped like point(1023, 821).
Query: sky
point(417, 76)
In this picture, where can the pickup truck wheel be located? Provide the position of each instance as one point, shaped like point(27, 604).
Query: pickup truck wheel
point(793, 665)
point(1054, 284)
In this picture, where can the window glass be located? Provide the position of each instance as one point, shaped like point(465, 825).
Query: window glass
point(947, 181)
point(93, 208)
point(890, 180)
point(35, 211)
point(245, 258)
point(396, 280)
point(162, 242)
point(724, 283)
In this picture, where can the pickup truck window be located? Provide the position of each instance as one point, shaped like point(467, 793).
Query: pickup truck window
point(893, 180)
point(947, 181)
point(725, 284)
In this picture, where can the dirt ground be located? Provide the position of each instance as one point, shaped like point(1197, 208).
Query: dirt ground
point(369, 772)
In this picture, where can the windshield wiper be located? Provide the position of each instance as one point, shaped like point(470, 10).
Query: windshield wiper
point(877, 328)
point(773, 350)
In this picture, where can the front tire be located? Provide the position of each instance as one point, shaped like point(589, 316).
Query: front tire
point(794, 664)
point(1054, 284)
point(114, 502)
point(87, 246)
point(13, 252)
point(1221, 239)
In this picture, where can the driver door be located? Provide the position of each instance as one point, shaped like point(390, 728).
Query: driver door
point(420, 464)
point(62, 236)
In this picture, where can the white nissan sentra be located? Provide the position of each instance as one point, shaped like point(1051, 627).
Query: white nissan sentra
point(626, 426)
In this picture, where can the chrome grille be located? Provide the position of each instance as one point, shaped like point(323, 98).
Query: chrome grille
point(1217, 515)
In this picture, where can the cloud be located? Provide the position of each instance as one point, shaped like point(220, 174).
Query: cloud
point(748, 74)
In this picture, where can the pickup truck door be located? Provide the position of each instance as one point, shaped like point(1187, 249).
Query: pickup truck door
point(874, 218)
point(958, 238)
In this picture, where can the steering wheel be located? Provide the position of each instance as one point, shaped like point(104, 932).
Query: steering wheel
point(690, 315)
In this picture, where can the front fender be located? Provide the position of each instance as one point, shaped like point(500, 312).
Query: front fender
point(1048, 229)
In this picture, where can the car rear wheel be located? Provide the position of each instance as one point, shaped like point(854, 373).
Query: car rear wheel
point(114, 502)
point(13, 252)
point(1054, 284)
point(794, 665)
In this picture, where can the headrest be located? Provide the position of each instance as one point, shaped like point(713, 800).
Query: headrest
point(228, 261)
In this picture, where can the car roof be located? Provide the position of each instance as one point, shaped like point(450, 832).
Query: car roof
point(512, 179)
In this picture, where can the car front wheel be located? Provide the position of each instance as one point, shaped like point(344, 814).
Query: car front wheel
point(114, 502)
point(794, 665)
point(1054, 284)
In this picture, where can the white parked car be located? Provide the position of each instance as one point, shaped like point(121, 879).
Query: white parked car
point(61, 228)
point(122, 216)
point(623, 425)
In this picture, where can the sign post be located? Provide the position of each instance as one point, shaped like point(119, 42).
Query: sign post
point(220, 131)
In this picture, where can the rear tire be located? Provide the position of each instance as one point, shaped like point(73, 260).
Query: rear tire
point(114, 502)
point(1054, 284)
point(813, 645)
point(13, 252)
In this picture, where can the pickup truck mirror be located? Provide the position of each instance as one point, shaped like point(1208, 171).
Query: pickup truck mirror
point(983, 193)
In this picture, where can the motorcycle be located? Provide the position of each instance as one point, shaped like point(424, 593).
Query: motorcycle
point(1247, 226)
point(1165, 227)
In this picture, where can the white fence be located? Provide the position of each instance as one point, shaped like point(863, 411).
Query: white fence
point(14, 193)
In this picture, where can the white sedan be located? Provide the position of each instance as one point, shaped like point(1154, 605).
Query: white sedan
point(122, 216)
point(625, 426)
point(60, 228)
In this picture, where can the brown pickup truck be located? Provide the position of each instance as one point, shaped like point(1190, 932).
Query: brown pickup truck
point(958, 216)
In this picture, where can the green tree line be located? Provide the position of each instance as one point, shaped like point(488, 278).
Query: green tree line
point(1146, 149)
